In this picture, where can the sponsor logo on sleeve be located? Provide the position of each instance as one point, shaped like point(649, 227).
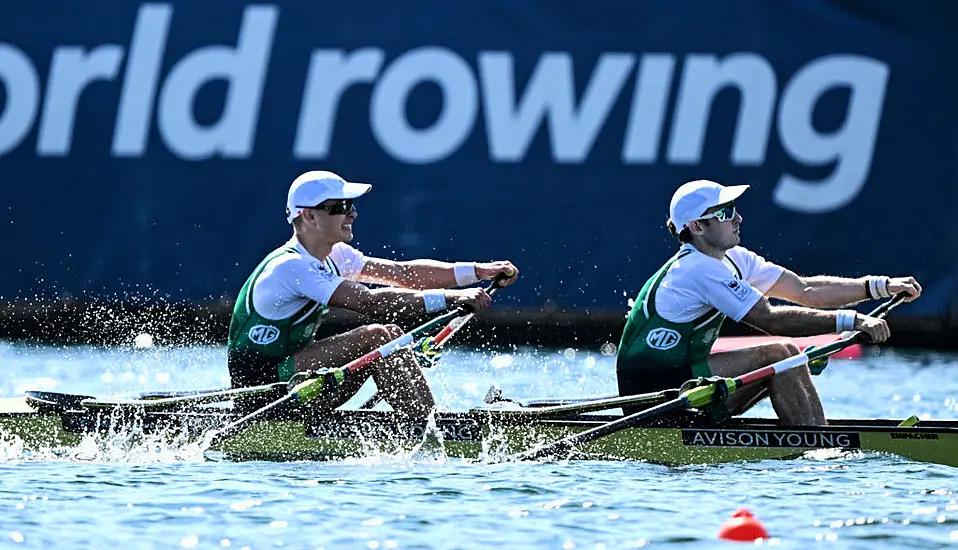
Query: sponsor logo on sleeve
point(322, 270)
point(739, 289)
point(263, 334)
point(663, 338)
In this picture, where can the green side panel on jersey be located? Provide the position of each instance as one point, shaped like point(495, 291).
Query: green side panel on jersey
point(649, 337)
point(250, 331)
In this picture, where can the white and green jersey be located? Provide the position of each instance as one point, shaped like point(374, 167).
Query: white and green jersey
point(283, 301)
point(678, 313)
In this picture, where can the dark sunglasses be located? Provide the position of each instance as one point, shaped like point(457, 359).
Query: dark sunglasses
point(335, 208)
point(724, 214)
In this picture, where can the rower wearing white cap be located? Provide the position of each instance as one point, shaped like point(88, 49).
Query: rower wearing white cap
point(677, 315)
point(283, 301)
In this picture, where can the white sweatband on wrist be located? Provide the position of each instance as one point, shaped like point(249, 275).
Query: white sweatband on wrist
point(845, 320)
point(465, 273)
point(878, 287)
point(435, 300)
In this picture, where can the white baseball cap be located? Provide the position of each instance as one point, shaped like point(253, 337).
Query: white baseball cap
point(695, 197)
point(312, 188)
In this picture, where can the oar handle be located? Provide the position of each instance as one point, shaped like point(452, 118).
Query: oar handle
point(310, 388)
point(857, 337)
point(804, 358)
point(437, 341)
point(453, 327)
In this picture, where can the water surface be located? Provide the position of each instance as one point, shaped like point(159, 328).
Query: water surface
point(162, 496)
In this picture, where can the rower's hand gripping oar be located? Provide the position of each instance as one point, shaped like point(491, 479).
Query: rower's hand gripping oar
point(431, 346)
point(428, 349)
point(701, 396)
point(327, 381)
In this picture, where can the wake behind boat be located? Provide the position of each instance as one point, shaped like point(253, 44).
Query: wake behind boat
point(49, 421)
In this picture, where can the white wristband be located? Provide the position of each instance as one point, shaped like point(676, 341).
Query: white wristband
point(845, 320)
point(435, 300)
point(465, 274)
point(878, 287)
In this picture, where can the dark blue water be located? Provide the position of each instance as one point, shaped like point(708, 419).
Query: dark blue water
point(107, 495)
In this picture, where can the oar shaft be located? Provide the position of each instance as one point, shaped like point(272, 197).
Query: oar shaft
point(184, 399)
point(571, 442)
point(312, 388)
point(438, 340)
point(591, 405)
point(447, 331)
point(234, 428)
point(767, 372)
point(802, 359)
point(456, 324)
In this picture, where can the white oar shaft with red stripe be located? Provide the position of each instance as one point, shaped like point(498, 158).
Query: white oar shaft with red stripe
point(384, 350)
point(847, 338)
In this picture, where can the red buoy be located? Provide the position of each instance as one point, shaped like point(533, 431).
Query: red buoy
point(742, 526)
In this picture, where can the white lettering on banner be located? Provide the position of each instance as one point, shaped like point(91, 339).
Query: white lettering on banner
point(456, 119)
point(851, 147)
point(244, 69)
point(22, 88)
point(142, 75)
point(511, 116)
point(648, 110)
point(703, 78)
point(549, 95)
point(330, 74)
point(71, 72)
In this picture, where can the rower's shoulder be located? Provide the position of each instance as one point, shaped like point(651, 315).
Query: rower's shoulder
point(688, 256)
point(345, 250)
point(290, 260)
point(740, 252)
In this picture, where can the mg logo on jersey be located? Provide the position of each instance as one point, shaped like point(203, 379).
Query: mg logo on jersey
point(663, 338)
point(263, 334)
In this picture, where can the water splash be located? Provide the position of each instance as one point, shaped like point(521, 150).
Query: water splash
point(432, 448)
point(127, 443)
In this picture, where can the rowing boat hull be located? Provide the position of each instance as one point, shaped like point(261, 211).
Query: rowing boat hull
point(492, 434)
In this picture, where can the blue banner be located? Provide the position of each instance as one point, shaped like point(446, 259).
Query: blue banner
point(146, 148)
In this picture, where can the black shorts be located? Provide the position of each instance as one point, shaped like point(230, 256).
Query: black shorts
point(249, 369)
point(638, 375)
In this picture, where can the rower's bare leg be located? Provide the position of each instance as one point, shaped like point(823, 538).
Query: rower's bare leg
point(793, 394)
point(403, 383)
point(397, 376)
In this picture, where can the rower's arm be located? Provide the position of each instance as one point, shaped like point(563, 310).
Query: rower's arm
point(821, 291)
point(390, 302)
point(429, 274)
point(784, 320)
point(414, 274)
